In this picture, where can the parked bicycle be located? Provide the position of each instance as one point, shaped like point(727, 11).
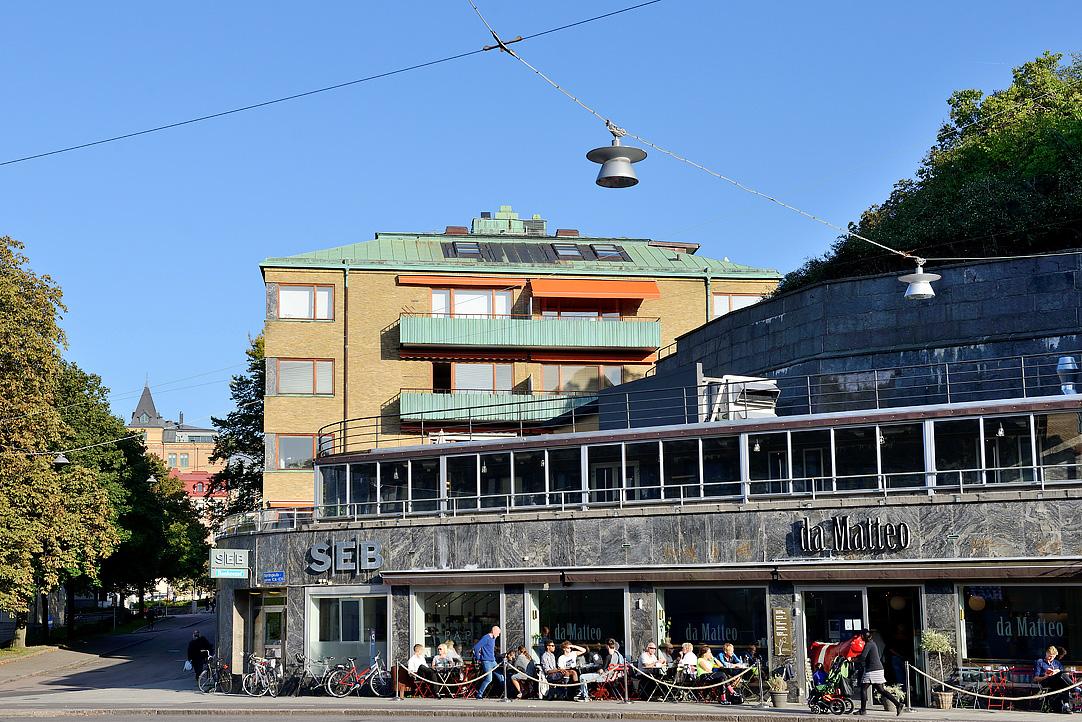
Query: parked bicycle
point(346, 678)
point(261, 680)
point(215, 676)
point(300, 679)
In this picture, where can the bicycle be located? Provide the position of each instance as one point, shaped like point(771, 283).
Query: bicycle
point(261, 680)
point(299, 679)
point(215, 676)
point(344, 679)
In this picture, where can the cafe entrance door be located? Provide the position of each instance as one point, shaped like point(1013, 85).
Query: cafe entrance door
point(268, 627)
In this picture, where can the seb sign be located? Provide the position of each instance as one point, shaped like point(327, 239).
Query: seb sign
point(350, 555)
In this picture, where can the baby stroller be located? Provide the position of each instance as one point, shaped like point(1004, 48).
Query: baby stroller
point(833, 695)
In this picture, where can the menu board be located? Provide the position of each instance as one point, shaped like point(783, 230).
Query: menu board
point(782, 623)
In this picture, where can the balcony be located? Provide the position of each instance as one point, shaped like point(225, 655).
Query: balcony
point(487, 407)
point(629, 332)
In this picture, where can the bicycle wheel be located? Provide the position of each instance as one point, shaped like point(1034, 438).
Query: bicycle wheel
point(340, 683)
point(205, 683)
point(225, 682)
point(272, 685)
point(380, 683)
point(253, 686)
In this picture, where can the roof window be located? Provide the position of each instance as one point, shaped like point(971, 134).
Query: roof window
point(608, 251)
point(467, 249)
point(567, 251)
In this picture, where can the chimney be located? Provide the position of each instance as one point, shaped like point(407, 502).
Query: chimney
point(457, 231)
point(182, 418)
point(567, 233)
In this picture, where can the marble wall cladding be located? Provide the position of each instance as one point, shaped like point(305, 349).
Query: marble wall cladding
point(400, 624)
point(941, 528)
point(295, 643)
point(781, 595)
point(643, 621)
point(941, 613)
point(514, 632)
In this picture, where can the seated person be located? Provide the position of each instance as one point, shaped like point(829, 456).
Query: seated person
point(688, 662)
point(1048, 673)
point(610, 655)
point(652, 668)
point(416, 665)
point(569, 662)
point(523, 664)
point(754, 657)
point(553, 673)
point(666, 654)
point(452, 652)
point(728, 658)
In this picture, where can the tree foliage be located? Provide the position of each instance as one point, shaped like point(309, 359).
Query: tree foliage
point(1003, 178)
point(240, 438)
point(54, 524)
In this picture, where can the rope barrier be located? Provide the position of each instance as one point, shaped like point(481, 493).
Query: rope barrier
point(443, 684)
point(989, 696)
point(673, 685)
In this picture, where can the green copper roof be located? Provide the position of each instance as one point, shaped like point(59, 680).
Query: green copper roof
point(425, 252)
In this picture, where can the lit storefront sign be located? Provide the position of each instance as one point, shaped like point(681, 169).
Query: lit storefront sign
point(842, 534)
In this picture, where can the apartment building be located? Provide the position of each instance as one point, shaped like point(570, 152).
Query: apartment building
point(184, 448)
point(406, 334)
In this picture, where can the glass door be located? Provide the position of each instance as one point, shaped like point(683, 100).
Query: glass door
point(833, 615)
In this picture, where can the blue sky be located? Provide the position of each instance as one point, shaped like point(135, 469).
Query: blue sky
point(156, 240)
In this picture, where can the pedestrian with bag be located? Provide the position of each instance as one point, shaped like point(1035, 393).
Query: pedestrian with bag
point(198, 650)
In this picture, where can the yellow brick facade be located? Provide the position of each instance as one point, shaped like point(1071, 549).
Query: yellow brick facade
point(375, 373)
point(198, 452)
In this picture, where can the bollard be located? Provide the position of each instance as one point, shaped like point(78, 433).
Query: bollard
point(761, 671)
point(908, 689)
point(627, 682)
point(506, 680)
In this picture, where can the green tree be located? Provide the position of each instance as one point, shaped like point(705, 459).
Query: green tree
point(240, 438)
point(54, 524)
point(1001, 179)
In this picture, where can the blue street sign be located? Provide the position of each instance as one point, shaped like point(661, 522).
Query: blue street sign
point(274, 577)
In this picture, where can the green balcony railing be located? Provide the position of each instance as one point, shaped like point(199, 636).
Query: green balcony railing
point(487, 407)
point(632, 332)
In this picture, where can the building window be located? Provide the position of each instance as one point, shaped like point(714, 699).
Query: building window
point(467, 249)
point(727, 302)
point(172, 461)
point(348, 627)
point(1059, 444)
point(482, 377)
point(462, 617)
point(715, 616)
point(198, 488)
point(144, 418)
point(577, 308)
point(584, 616)
point(485, 303)
point(183, 461)
point(296, 451)
point(608, 252)
point(1018, 623)
point(567, 251)
point(313, 377)
point(306, 302)
point(568, 378)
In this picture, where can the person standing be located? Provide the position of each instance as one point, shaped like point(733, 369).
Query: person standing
point(198, 651)
point(485, 653)
point(872, 662)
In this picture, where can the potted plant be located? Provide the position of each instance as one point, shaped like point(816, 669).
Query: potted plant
point(779, 690)
point(898, 693)
point(938, 643)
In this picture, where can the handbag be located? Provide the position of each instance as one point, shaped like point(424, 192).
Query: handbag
point(187, 665)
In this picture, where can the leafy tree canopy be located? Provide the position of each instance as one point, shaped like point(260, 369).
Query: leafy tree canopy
point(240, 438)
point(1003, 178)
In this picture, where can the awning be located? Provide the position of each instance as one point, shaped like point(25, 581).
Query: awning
point(461, 281)
point(582, 288)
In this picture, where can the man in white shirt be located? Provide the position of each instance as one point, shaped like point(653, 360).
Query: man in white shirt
point(417, 665)
point(651, 664)
point(567, 663)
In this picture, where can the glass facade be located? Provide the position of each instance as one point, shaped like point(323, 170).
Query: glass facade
point(583, 616)
point(461, 616)
point(347, 626)
point(714, 616)
point(1017, 623)
point(1020, 450)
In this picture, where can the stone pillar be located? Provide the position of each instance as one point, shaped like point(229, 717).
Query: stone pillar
point(295, 609)
point(643, 620)
point(780, 595)
point(514, 620)
point(399, 644)
point(941, 614)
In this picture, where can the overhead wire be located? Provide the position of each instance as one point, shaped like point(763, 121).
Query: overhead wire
point(619, 132)
point(316, 91)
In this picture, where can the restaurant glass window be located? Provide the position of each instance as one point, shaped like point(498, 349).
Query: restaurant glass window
point(768, 463)
point(585, 617)
point(529, 478)
point(462, 482)
point(642, 471)
point(714, 616)
point(901, 455)
point(1018, 623)
point(681, 469)
point(460, 616)
point(424, 484)
point(812, 467)
point(565, 475)
point(362, 488)
point(1059, 442)
point(1008, 451)
point(856, 463)
point(332, 491)
point(606, 476)
point(353, 626)
point(721, 466)
point(957, 452)
point(495, 480)
point(393, 486)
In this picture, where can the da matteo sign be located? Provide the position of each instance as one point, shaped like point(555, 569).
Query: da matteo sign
point(842, 534)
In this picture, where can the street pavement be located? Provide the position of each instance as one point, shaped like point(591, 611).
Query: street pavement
point(129, 677)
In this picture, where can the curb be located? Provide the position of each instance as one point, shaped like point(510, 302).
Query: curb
point(501, 713)
point(29, 655)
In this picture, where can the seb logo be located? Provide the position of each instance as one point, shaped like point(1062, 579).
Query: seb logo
point(351, 555)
